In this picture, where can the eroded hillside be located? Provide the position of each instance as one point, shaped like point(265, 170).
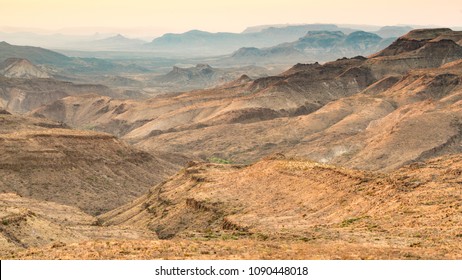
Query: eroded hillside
point(358, 158)
point(93, 171)
point(299, 208)
point(29, 223)
point(359, 112)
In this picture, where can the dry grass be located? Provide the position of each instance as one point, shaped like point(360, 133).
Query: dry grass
point(235, 249)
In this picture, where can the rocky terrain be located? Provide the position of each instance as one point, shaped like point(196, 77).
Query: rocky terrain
point(29, 223)
point(353, 112)
point(280, 197)
point(299, 208)
point(121, 78)
point(356, 158)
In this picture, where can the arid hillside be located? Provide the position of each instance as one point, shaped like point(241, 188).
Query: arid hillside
point(288, 208)
point(289, 198)
point(29, 223)
point(22, 95)
point(93, 171)
point(368, 113)
point(357, 158)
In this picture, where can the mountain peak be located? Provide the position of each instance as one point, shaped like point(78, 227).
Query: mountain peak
point(118, 37)
point(203, 66)
point(12, 60)
point(247, 51)
point(244, 79)
point(196, 32)
point(21, 68)
point(426, 34)
point(363, 34)
point(322, 33)
point(441, 39)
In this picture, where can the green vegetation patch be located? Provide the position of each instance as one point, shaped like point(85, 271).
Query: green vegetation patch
point(219, 160)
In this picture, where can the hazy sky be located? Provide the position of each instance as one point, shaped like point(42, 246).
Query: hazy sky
point(151, 16)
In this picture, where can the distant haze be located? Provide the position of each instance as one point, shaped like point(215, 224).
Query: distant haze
point(153, 18)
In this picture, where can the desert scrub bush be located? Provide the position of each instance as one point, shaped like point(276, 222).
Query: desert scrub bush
point(350, 221)
point(219, 160)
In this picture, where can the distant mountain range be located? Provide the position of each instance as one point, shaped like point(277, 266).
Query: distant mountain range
point(343, 27)
point(193, 42)
point(43, 56)
point(113, 43)
point(205, 43)
point(393, 31)
point(95, 42)
point(34, 54)
point(318, 46)
point(273, 47)
point(51, 41)
point(204, 76)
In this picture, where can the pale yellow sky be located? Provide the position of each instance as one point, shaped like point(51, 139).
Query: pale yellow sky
point(232, 16)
